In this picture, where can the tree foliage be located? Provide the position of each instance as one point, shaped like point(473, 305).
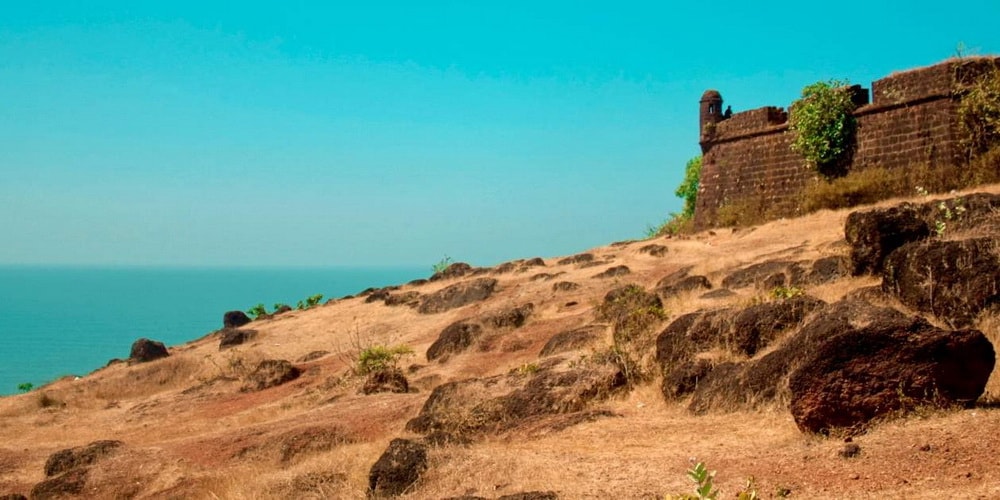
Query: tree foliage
point(823, 123)
point(688, 189)
point(979, 112)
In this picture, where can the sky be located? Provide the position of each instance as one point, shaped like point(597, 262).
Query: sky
point(297, 133)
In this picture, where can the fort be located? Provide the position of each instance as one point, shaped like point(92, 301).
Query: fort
point(911, 119)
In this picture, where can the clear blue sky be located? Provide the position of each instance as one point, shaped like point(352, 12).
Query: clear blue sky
point(393, 133)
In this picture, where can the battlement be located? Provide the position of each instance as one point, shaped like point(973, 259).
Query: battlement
point(910, 119)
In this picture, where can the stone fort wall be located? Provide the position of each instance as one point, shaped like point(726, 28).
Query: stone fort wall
point(748, 163)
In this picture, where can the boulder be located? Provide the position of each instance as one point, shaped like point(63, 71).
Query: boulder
point(462, 410)
point(888, 368)
point(68, 484)
point(231, 337)
point(144, 350)
point(457, 295)
point(572, 340)
point(576, 259)
point(757, 326)
point(653, 250)
point(270, 373)
point(234, 319)
point(684, 379)
point(455, 270)
point(398, 468)
point(764, 275)
point(512, 317)
point(386, 380)
point(410, 298)
point(459, 336)
point(72, 458)
point(874, 234)
point(749, 384)
point(668, 287)
point(953, 280)
point(564, 286)
point(455, 338)
point(613, 272)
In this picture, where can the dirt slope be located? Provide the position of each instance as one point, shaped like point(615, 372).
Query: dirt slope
point(189, 431)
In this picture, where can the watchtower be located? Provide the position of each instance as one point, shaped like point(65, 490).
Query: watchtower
point(711, 114)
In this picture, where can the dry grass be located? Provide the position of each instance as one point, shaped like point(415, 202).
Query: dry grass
point(184, 420)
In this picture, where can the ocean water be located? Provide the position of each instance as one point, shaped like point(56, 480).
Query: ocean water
point(60, 321)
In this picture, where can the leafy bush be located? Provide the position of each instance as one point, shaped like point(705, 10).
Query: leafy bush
point(25, 387)
point(310, 302)
point(824, 125)
point(687, 191)
point(380, 357)
point(257, 311)
point(979, 111)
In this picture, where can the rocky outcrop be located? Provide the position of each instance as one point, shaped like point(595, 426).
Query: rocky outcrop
point(411, 298)
point(72, 458)
point(456, 270)
point(270, 373)
point(748, 384)
point(467, 409)
point(613, 272)
point(455, 338)
point(386, 380)
point(888, 367)
point(873, 235)
point(231, 337)
point(571, 340)
point(68, 484)
point(457, 295)
point(144, 350)
point(235, 319)
point(398, 468)
point(580, 258)
point(461, 335)
point(953, 280)
point(653, 250)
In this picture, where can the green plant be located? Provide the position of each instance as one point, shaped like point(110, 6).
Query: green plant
point(442, 264)
point(527, 369)
point(704, 487)
point(687, 191)
point(280, 305)
point(380, 357)
point(785, 292)
point(310, 302)
point(824, 125)
point(703, 479)
point(979, 109)
point(25, 387)
point(257, 311)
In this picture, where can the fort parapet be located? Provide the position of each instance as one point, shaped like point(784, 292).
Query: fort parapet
point(911, 119)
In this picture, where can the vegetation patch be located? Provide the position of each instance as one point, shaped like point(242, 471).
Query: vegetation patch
point(824, 125)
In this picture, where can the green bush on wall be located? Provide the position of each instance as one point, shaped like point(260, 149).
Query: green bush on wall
point(824, 125)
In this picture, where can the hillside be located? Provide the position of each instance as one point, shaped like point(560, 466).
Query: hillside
point(194, 425)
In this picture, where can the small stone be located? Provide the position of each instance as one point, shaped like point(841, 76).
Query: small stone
point(850, 450)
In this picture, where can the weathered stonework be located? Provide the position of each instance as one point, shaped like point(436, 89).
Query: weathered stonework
point(748, 161)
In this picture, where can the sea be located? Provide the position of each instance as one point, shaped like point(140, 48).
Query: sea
point(58, 321)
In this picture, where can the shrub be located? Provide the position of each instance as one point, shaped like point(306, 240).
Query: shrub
point(25, 387)
point(380, 357)
point(442, 264)
point(979, 111)
point(824, 125)
point(687, 191)
point(310, 302)
point(257, 311)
